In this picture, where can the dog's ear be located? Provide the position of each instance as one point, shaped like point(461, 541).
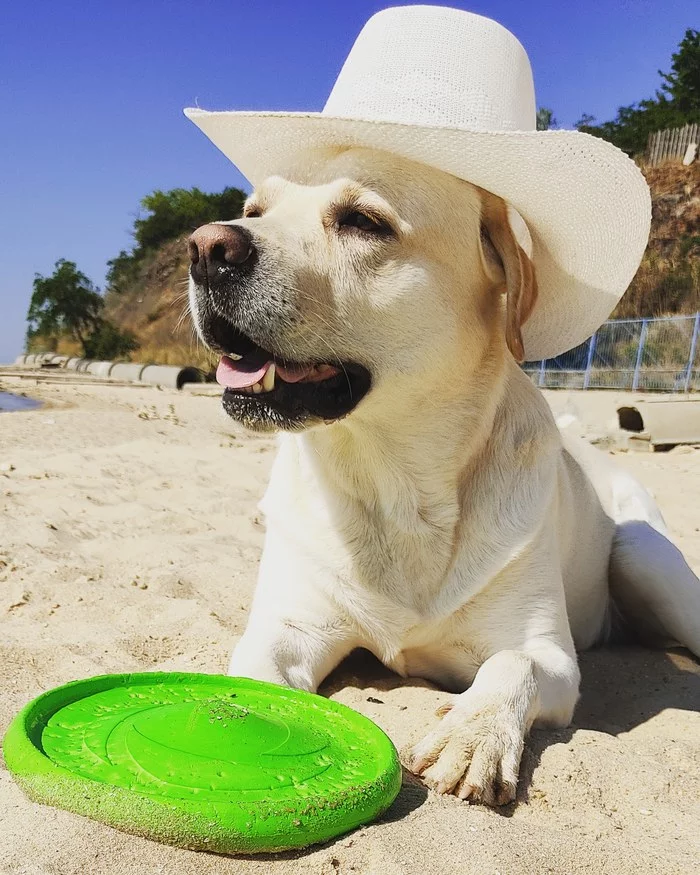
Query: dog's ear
point(506, 260)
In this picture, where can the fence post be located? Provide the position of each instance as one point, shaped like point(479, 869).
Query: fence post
point(693, 347)
point(640, 353)
point(540, 379)
point(589, 361)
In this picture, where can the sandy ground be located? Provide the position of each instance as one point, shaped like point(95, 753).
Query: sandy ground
point(130, 540)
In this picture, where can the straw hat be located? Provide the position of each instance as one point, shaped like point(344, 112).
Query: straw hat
point(454, 90)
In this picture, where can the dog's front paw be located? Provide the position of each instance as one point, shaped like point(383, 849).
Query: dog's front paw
point(474, 753)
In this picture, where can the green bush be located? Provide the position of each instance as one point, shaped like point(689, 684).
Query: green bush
point(676, 103)
point(168, 215)
point(108, 342)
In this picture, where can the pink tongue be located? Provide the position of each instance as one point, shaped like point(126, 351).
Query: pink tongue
point(230, 374)
point(293, 373)
point(233, 374)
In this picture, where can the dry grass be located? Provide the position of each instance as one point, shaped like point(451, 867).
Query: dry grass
point(155, 310)
point(668, 279)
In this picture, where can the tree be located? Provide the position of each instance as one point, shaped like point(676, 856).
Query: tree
point(109, 342)
point(682, 84)
point(121, 271)
point(677, 103)
point(633, 124)
point(180, 211)
point(168, 214)
point(545, 119)
point(67, 302)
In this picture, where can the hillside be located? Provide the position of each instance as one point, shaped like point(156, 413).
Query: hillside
point(668, 281)
point(154, 308)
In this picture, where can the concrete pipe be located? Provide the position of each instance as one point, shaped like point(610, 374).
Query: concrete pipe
point(50, 360)
point(170, 376)
point(662, 422)
point(127, 371)
point(21, 360)
point(99, 369)
point(31, 360)
point(83, 366)
point(72, 364)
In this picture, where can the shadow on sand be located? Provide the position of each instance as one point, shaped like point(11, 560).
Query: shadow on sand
point(622, 687)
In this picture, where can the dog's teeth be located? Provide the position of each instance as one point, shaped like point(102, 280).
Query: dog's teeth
point(268, 381)
point(233, 356)
point(257, 388)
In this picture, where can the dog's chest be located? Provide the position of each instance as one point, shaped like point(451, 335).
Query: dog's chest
point(387, 581)
point(384, 565)
point(405, 563)
point(387, 555)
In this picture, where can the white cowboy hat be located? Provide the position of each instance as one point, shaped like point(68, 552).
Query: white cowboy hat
point(454, 90)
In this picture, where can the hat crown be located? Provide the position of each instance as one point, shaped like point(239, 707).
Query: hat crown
point(431, 65)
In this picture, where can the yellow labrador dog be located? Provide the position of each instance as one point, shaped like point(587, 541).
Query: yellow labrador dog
point(423, 503)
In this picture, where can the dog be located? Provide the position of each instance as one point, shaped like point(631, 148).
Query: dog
point(423, 504)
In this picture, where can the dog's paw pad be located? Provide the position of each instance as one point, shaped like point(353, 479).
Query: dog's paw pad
point(476, 757)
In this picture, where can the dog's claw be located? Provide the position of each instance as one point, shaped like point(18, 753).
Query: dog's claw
point(506, 794)
point(473, 755)
point(418, 766)
point(466, 792)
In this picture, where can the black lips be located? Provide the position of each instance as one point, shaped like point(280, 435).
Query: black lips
point(293, 406)
point(289, 406)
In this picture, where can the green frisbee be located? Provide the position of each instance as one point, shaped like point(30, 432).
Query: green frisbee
point(204, 761)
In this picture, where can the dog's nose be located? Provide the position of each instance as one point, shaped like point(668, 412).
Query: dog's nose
point(212, 247)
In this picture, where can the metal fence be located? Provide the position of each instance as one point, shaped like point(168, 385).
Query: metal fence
point(648, 355)
point(673, 144)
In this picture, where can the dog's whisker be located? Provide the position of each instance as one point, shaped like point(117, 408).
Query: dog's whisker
point(313, 313)
point(335, 360)
point(186, 311)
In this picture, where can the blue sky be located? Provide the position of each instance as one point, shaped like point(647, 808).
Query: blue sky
point(92, 94)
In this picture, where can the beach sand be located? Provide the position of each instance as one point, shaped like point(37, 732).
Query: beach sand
point(130, 542)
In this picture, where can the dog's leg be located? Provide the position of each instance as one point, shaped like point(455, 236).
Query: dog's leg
point(529, 675)
point(653, 585)
point(291, 652)
point(295, 634)
point(475, 751)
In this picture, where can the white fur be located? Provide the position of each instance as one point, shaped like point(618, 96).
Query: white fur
point(444, 525)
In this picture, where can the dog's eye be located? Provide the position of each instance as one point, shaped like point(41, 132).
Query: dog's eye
point(252, 213)
point(363, 222)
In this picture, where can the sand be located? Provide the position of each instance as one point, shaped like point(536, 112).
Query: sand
point(130, 541)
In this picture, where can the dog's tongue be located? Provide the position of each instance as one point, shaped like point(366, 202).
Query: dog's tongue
point(241, 374)
point(237, 375)
point(294, 373)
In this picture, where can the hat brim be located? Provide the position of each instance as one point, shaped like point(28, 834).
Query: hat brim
point(586, 204)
